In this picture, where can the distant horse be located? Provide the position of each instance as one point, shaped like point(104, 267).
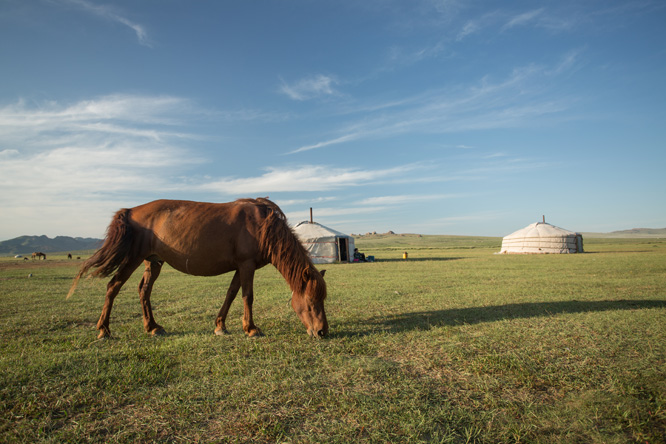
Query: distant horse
point(38, 255)
point(69, 255)
point(208, 239)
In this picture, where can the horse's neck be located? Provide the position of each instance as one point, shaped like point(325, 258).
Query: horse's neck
point(286, 253)
point(291, 266)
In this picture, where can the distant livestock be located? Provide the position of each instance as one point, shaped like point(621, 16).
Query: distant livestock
point(69, 255)
point(38, 255)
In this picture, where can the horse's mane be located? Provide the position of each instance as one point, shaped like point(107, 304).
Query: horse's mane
point(280, 245)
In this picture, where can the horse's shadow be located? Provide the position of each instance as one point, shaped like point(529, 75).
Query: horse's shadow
point(424, 320)
point(419, 259)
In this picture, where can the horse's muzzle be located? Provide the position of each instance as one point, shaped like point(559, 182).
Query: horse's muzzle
point(318, 334)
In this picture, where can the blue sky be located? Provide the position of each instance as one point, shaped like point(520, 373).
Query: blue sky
point(421, 116)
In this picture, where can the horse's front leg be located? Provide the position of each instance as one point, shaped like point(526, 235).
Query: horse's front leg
point(247, 282)
point(151, 273)
point(220, 322)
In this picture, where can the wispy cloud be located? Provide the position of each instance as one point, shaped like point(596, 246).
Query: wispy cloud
point(107, 13)
point(337, 140)
point(304, 178)
point(334, 212)
point(518, 99)
point(111, 118)
point(404, 199)
point(311, 201)
point(76, 160)
point(500, 21)
point(74, 190)
point(310, 87)
point(567, 62)
point(399, 56)
point(469, 28)
point(522, 19)
point(478, 25)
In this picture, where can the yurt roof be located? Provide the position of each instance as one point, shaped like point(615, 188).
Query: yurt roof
point(313, 230)
point(540, 230)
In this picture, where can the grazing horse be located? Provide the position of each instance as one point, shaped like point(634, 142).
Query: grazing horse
point(38, 255)
point(208, 239)
point(69, 255)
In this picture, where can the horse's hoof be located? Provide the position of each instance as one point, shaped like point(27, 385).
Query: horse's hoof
point(255, 334)
point(104, 334)
point(159, 331)
point(221, 332)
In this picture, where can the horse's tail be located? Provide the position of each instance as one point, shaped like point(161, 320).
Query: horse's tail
point(114, 253)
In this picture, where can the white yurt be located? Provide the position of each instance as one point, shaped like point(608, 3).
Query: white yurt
point(324, 244)
point(542, 237)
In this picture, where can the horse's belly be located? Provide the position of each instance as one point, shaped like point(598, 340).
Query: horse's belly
point(201, 268)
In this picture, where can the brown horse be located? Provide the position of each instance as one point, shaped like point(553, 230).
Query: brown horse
point(38, 255)
point(208, 239)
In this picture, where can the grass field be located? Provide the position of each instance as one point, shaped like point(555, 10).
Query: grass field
point(456, 344)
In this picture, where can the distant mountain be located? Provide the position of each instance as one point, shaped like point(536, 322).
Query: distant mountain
point(634, 232)
point(28, 244)
point(642, 232)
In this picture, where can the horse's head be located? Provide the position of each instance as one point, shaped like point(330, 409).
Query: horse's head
point(309, 303)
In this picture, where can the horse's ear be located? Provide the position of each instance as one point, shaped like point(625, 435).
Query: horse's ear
point(322, 272)
point(306, 274)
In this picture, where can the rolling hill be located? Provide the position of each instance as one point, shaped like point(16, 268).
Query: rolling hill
point(27, 244)
point(634, 232)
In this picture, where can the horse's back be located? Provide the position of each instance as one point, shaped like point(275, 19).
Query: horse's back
point(199, 237)
point(185, 217)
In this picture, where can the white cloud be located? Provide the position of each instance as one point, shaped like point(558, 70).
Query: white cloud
point(404, 199)
point(334, 213)
point(133, 110)
point(82, 175)
point(400, 57)
point(315, 200)
point(310, 88)
point(8, 154)
point(478, 25)
point(107, 13)
point(470, 28)
point(73, 162)
point(342, 139)
point(304, 179)
point(522, 19)
point(568, 63)
point(515, 101)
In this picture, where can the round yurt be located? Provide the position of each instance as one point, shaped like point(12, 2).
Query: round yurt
point(325, 245)
point(542, 237)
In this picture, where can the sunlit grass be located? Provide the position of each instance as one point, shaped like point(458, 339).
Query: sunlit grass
point(455, 344)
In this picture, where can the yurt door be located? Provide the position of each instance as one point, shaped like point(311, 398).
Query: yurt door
point(343, 249)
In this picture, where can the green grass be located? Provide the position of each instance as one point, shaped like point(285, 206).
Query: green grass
point(456, 344)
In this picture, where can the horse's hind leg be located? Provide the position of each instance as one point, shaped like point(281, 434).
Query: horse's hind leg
point(112, 289)
point(220, 322)
point(151, 273)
